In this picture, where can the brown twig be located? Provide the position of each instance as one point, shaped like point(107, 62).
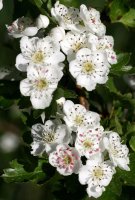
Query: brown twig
point(82, 97)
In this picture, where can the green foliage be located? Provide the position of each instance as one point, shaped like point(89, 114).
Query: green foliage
point(17, 173)
point(129, 18)
point(114, 101)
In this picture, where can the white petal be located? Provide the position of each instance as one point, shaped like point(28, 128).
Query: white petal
point(42, 21)
point(30, 31)
point(58, 33)
point(56, 58)
point(37, 148)
point(99, 57)
point(25, 87)
point(74, 68)
point(95, 191)
point(84, 175)
point(68, 108)
point(86, 82)
point(111, 56)
point(40, 101)
point(21, 63)
point(25, 44)
point(83, 52)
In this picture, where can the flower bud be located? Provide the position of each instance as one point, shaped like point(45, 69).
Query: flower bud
point(42, 21)
point(58, 33)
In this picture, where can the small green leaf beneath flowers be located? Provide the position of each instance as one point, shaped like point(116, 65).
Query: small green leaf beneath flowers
point(120, 67)
point(17, 173)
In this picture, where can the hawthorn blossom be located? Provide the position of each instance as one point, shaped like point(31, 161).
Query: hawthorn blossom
point(40, 83)
point(88, 141)
point(118, 153)
point(42, 21)
point(72, 43)
point(1, 4)
point(22, 26)
point(68, 18)
point(66, 159)
point(89, 68)
point(77, 116)
point(57, 33)
point(97, 174)
point(91, 20)
point(46, 137)
point(106, 44)
point(38, 51)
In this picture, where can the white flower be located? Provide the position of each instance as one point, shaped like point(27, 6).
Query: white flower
point(22, 27)
point(88, 141)
point(91, 19)
point(66, 159)
point(1, 4)
point(97, 174)
point(48, 136)
point(57, 33)
point(68, 18)
point(89, 68)
point(77, 116)
point(105, 43)
point(118, 153)
point(42, 21)
point(40, 83)
point(38, 51)
point(72, 43)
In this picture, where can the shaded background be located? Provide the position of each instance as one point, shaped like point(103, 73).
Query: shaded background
point(16, 115)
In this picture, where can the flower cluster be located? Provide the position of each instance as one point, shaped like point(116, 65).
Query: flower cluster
point(40, 58)
point(89, 51)
point(75, 132)
point(80, 136)
point(80, 36)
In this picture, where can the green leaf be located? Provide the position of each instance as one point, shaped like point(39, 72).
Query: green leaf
point(117, 9)
point(17, 173)
point(38, 3)
point(5, 103)
point(120, 67)
point(118, 125)
point(132, 143)
point(129, 18)
point(111, 86)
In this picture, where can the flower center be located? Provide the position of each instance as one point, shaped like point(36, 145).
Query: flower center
point(41, 84)
point(78, 120)
point(87, 67)
point(87, 144)
point(67, 18)
point(77, 46)
point(38, 57)
point(48, 137)
point(67, 160)
point(98, 173)
point(114, 152)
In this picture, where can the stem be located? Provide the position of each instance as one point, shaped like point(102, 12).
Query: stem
point(82, 97)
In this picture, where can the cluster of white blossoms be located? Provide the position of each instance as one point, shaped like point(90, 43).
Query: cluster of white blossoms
point(80, 38)
point(75, 132)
